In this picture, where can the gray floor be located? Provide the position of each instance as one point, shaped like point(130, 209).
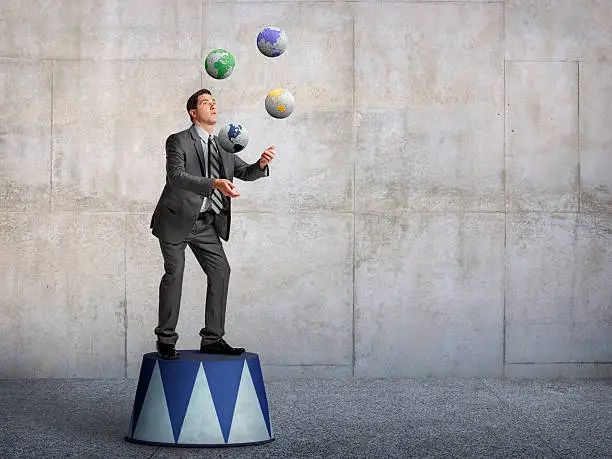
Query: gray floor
point(332, 418)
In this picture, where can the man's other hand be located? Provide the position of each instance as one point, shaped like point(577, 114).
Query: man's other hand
point(266, 157)
point(226, 187)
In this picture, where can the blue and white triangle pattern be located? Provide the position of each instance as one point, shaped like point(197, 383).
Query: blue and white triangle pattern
point(154, 420)
point(248, 423)
point(201, 425)
point(224, 403)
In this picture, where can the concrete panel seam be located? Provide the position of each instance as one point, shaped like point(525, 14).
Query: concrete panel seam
point(578, 184)
point(203, 16)
point(428, 212)
point(125, 313)
point(51, 159)
point(105, 59)
point(388, 2)
point(310, 365)
point(504, 38)
point(544, 212)
point(79, 211)
point(505, 267)
point(290, 212)
point(603, 362)
point(354, 148)
point(33, 60)
point(573, 279)
point(539, 61)
point(505, 283)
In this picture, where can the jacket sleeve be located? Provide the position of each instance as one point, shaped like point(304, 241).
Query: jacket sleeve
point(249, 172)
point(175, 170)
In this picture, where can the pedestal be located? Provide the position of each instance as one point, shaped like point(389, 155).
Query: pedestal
point(200, 400)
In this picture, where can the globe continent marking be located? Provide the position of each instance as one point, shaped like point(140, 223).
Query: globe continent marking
point(234, 131)
point(272, 41)
point(233, 137)
point(279, 103)
point(219, 64)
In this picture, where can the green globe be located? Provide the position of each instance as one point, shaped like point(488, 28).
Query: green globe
point(219, 64)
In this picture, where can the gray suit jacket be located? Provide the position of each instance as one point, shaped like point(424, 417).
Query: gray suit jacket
point(186, 185)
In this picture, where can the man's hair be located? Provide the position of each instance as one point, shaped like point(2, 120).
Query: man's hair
point(192, 102)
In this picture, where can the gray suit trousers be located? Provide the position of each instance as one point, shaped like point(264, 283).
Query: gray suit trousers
point(208, 250)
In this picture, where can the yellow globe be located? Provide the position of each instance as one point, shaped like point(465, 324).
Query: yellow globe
point(280, 103)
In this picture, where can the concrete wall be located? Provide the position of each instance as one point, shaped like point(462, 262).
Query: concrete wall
point(440, 204)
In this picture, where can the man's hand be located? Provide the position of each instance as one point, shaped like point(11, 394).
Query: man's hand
point(226, 187)
point(266, 157)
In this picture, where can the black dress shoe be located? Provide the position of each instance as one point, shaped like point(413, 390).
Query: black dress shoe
point(221, 347)
point(167, 351)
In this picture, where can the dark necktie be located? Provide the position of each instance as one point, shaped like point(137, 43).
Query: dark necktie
point(216, 200)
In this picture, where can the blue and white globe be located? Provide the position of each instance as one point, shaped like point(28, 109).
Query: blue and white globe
point(233, 137)
point(272, 41)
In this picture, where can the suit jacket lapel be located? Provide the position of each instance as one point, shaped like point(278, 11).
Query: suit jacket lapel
point(197, 143)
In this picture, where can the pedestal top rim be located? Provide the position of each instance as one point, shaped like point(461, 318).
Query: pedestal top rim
point(196, 355)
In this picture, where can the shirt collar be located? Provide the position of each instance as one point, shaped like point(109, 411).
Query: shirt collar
point(202, 133)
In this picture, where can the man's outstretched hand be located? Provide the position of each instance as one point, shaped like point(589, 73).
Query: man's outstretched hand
point(226, 187)
point(266, 157)
point(229, 189)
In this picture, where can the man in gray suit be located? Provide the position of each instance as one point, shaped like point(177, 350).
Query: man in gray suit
point(195, 209)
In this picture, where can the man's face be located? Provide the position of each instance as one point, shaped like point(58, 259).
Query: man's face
point(206, 110)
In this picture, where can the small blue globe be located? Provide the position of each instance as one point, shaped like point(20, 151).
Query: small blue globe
point(272, 41)
point(233, 137)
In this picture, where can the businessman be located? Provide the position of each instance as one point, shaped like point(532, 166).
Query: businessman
point(195, 209)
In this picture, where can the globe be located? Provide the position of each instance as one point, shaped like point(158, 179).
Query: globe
point(219, 64)
point(280, 103)
point(233, 137)
point(272, 41)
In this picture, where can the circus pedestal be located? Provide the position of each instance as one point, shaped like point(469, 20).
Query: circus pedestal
point(200, 400)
